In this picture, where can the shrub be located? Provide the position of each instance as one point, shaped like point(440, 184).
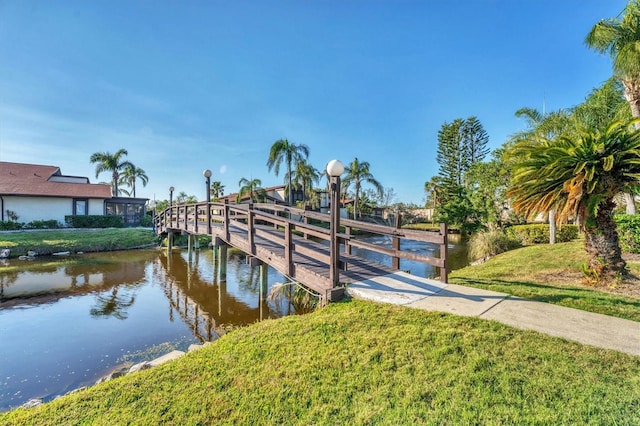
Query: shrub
point(146, 221)
point(539, 233)
point(94, 221)
point(629, 232)
point(43, 224)
point(485, 244)
point(9, 225)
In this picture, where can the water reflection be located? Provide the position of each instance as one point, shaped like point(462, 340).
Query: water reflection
point(45, 283)
point(67, 322)
point(232, 302)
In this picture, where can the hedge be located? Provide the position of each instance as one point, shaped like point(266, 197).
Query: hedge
point(539, 233)
point(9, 225)
point(94, 221)
point(629, 232)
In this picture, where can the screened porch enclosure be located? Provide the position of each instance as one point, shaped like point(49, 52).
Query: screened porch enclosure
point(130, 210)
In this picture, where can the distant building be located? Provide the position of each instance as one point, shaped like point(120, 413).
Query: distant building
point(273, 194)
point(33, 192)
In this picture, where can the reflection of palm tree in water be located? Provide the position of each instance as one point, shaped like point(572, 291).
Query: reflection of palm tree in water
point(112, 305)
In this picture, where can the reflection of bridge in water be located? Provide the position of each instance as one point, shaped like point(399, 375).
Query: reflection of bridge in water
point(203, 302)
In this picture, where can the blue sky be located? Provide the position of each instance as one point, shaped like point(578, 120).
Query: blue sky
point(186, 86)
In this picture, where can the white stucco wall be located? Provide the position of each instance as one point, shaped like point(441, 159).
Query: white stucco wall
point(29, 209)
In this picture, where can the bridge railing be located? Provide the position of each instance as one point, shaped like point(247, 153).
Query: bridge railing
point(351, 229)
point(192, 218)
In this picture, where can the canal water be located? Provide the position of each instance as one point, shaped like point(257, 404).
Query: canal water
point(66, 322)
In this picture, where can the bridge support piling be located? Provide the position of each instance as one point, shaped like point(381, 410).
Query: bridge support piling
point(264, 280)
point(222, 260)
point(190, 247)
point(169, 242)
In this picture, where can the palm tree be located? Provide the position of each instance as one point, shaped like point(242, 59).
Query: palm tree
point(547, 126)
point(358, 173)
point(129, 176)
point(114, 163)
point(252, 188)
point(217, 190)
point(304, 175)
point(284, 151)
point(434, 189)
point(579, 176)
point(604, 105)
point(620, 37)
point(183, 197)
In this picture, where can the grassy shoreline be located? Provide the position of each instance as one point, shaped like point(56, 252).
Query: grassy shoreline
point(47, 242)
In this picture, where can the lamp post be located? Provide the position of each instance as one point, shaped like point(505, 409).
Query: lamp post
point(334, 169)
point(171, 189)
point(207, 176)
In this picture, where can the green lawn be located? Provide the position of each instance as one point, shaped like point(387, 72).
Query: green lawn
point(89, 240)
point(552, 274)
point(362, 363)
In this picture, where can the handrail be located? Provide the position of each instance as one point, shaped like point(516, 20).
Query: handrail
point(249, 218)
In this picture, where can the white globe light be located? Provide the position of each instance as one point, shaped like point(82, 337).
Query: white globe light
point(335, 168)
point(207, 173)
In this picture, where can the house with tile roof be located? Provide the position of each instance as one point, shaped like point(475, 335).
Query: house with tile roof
point(33, 192)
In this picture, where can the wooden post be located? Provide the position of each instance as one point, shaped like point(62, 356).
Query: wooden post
point(190, 246)
point(226, 219)
point(288, 248)
point(264, 279)
point(207, 175)
point(305, 219)
point(196, 217)
point(171, 188)
point(395, 244)
point(444, 232)
point(250, 219)
point(223, 262)
point(334, 225)
point(170, 242)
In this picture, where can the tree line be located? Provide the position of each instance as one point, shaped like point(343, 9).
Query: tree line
point(574, 164)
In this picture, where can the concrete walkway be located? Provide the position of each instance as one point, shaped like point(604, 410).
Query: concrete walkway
point(584, 327)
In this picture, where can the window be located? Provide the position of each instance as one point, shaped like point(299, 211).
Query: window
point(80, 207)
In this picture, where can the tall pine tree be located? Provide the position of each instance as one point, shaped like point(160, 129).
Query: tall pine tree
point(461, 144)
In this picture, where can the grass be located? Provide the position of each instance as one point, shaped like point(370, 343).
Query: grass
point(363, 363)
point(549, 273)
point(90, 240)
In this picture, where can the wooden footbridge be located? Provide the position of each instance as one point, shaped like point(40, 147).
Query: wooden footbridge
point(314, 249)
